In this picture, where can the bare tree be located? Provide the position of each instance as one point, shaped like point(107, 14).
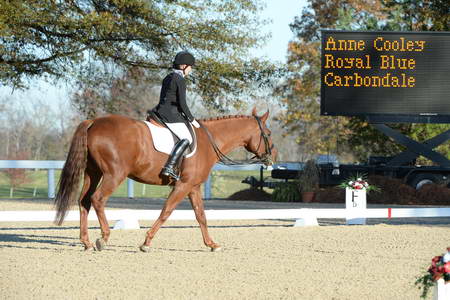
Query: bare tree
point(16, 177)
point(35, 127)
point(41, 119)
point(130, 94)
point(58, 141)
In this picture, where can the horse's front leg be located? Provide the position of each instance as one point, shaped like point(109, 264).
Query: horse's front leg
point(197, 205)
point(175, 197)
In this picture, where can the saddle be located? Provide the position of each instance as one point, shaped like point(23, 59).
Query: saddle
point(164, 138)
point(154, 122)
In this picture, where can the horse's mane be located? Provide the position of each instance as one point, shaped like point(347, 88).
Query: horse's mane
point(225, 117)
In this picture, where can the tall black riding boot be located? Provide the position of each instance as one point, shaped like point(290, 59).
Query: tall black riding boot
point(177, 152)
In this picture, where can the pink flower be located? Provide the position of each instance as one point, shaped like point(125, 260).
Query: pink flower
point(447, 267)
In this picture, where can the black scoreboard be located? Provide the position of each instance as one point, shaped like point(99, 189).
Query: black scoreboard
point(386, 76)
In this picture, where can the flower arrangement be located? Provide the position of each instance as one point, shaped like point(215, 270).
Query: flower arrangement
point(440, 268)
point(359, 182)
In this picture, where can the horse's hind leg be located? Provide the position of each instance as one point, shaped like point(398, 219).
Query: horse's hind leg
point(197, 205)
point(91, 180)
point(99, 199)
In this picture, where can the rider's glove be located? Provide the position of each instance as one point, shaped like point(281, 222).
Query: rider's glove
point(195, 123)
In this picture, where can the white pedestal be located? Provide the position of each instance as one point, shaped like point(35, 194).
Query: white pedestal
point(355, 206)
point(441, 290)
point(306, 221)
point(127, 222)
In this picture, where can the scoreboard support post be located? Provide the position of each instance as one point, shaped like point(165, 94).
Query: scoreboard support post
point(415, 148)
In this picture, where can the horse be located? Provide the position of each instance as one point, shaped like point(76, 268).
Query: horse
point(107, 150)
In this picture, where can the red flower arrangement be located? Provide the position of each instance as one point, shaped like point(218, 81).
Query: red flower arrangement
point(358, 183)
point(440, 268)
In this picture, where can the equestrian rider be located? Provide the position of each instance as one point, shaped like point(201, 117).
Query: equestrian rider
point(173, 110)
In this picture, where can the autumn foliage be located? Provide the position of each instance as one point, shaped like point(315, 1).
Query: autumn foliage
point(300, 93)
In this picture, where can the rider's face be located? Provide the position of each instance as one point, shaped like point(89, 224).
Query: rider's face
point(187, 70)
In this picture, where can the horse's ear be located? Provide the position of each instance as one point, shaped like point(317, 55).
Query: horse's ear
point(254, 111)
point(265, 116)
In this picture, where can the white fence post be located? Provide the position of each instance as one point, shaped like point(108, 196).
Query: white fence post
point(207, 188)
point(51, 183)
point(130, 188)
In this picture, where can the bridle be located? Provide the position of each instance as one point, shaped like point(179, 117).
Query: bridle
point(266, 157)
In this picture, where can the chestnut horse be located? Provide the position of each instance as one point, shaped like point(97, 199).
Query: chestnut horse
point(109, 149)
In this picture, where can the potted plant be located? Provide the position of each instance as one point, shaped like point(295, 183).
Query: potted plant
point(286, 192)
point(308, 181)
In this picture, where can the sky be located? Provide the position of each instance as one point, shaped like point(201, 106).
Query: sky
point(280, 12)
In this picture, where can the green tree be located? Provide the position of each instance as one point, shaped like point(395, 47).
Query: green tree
point(77, 38)
point(302, 90)
point(421, 15)
point(394, 15)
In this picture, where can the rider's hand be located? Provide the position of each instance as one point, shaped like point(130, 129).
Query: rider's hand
point(195, 123)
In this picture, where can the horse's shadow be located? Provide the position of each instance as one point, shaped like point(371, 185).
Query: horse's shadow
point(39, 228)
point(32, 241)
point(9, 238)
point(46, 242)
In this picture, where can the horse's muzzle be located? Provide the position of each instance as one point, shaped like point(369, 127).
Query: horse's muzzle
point(269, 159)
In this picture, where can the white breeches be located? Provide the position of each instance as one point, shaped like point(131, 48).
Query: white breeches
point(180, 130)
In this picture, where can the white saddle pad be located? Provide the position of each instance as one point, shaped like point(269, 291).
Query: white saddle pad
point(163, 138)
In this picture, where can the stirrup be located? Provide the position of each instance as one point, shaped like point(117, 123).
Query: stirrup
point(169, 172)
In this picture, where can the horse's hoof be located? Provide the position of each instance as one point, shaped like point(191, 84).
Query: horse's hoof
point(89, 248)
point(144, 248)
point(100, 244)
point(216, 249)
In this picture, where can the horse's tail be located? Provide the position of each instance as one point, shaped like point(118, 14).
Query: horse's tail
point(72, 171)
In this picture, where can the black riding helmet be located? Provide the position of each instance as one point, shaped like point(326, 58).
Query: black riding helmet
point(184, 58)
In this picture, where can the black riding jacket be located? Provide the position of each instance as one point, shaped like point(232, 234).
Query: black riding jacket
point(172, 106)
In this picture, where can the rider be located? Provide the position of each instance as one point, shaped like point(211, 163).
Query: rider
point(173, 110)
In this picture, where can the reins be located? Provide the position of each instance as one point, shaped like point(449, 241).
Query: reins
point(225, 160)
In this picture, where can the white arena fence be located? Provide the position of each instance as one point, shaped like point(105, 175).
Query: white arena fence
point(52, 165)
point(242, 214)
point(233, 214)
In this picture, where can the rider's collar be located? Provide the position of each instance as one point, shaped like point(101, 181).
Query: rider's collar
point(180, 72)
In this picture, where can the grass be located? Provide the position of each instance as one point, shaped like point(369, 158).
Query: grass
point(224, 184)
